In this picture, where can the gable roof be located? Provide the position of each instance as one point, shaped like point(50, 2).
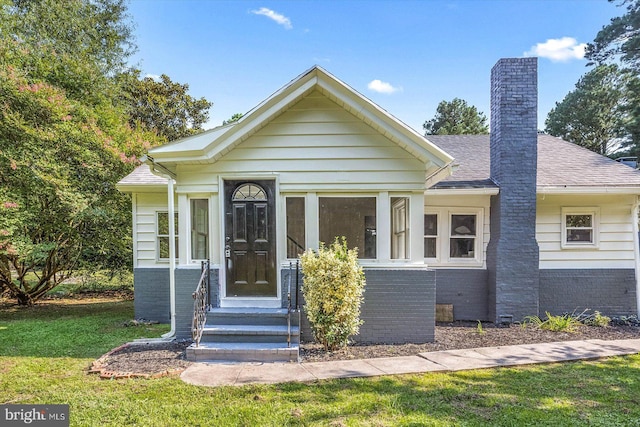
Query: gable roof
point(563, 167)
point(210, 146)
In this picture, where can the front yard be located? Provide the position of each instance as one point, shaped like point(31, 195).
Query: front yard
point(45, 352)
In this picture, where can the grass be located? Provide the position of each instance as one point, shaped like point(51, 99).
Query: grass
point(45, 350)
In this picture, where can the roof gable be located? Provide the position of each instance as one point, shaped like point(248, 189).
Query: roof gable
point(210, 146)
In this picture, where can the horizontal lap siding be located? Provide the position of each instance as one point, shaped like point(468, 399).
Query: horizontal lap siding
point(145, 235)
point(317, 145)
point(616, 248)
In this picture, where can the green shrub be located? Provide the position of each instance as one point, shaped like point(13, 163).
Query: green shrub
point(333, 290)
point(560, 323)
point(597, 319)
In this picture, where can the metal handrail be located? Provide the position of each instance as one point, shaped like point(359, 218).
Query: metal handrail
point(289, 308)
point(200, 304)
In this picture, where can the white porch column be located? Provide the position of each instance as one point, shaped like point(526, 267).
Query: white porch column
point(416, 228)
point(383, 228)
point(311, 221)
point(184, 229)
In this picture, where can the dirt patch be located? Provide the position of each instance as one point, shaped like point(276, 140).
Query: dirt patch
point(142, 360)
point(159, 359)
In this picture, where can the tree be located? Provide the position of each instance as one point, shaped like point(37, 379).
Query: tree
point(233, 119)
point(589, 115)
point(163, 106)
point(64, 142)
point(619, 43)
point(620, 39)
point(456, 118)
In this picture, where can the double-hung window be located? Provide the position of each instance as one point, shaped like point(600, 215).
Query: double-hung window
point(199, 229)
point(580, 228)
point(162, 235)
point(453, 236)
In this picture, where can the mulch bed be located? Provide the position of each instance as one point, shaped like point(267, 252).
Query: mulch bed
point(168, 358)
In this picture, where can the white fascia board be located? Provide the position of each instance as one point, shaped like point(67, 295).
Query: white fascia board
point(491, 191)
point(588, 190)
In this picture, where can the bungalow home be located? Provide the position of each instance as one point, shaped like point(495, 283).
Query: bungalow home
point(497, 227)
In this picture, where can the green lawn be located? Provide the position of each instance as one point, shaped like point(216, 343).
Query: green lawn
point(45, 351)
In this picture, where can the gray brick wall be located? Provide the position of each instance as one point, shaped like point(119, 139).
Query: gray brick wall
point(186, 282)
point(512, 253)
point(399, 307)
point(151, 294)
point(610, 291)
point(466, 289)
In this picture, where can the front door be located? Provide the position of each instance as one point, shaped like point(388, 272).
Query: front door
point(250, 241)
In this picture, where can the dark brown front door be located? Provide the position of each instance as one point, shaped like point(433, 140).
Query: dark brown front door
point(250, 243)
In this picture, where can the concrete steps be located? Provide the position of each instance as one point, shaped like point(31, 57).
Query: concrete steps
point(248, 334)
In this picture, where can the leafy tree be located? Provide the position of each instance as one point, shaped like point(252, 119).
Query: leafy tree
point(619, 43)
point(456, 118)
point(74, 44)
point(620, 39)
point(163, 106)
point(64, 142)
point(589, 115)
point(233, 119)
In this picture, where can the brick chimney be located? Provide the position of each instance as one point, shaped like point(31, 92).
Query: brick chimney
point(512, 253)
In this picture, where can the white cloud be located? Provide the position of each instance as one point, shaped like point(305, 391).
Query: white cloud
point(275, 16)
point(382, 87)
point(154, 77)
point(559, 50)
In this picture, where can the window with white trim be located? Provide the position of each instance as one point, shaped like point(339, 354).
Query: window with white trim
point(580, 227)
point(431, 235)
point(162, 235)
point(295, 226)
point(462, 237)
point(199, 229)
point(400, 228)
point(453, 236)
point(351, 217)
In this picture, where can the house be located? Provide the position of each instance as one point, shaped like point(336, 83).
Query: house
point(500, 227)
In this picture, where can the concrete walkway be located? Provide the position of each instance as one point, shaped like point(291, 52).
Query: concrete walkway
point(218, 374)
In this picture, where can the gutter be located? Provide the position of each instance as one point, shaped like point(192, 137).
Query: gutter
point(439, 174)
point(161, 170)
point(636, 250)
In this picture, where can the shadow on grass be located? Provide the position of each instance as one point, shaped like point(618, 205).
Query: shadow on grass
point(69, 328)
point(578, 393)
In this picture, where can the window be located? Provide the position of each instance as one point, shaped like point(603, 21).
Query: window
point(162, 234)
point(351, 217)
point(579, 227)
point(399, 228)
point(462, 239)
point(453, 236)
point(199, 229)
point(431, 235)
point(295, 226)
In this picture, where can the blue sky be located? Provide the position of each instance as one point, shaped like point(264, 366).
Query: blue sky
point(406, 56)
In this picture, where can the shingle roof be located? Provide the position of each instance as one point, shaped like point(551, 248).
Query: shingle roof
point(560, 164)
point(142, 176)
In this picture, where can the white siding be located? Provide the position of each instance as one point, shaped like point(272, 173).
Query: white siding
point(616, 240)
point(147, 205)
point(451, 203)
point(315, 145)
